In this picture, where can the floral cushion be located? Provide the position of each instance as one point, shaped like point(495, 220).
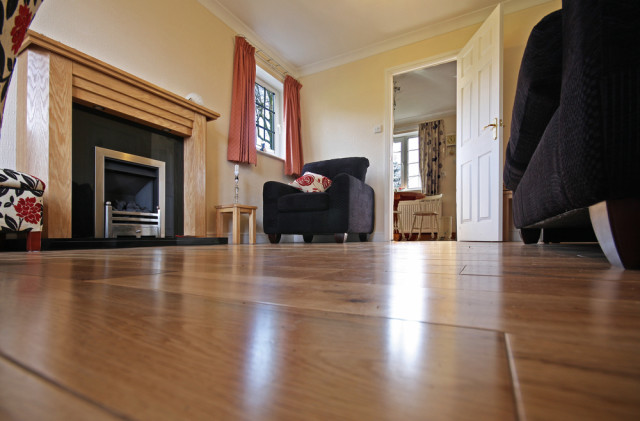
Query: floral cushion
point(15, 18)
point(19, 180)
point(311, 182)
point(20, 201)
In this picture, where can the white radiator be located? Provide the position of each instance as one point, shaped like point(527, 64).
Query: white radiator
point(406, 208)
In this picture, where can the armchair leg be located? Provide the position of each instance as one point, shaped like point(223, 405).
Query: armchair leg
point(33, 241)
point(530, 235)
point(340, 238)
point(616, 225)
point(307, 238)
point(363, 236)
point(274, 238)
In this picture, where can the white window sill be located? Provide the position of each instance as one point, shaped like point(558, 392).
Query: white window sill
point(270, 155)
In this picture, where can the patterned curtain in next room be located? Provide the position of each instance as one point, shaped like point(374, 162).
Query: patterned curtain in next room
point(432, 140)
point(242, 127)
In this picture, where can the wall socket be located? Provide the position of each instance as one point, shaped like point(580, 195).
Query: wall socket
point(378, 128)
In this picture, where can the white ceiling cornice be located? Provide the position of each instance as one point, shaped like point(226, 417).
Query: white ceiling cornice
point(509, 6)
point(241, 28)
point(479, 16)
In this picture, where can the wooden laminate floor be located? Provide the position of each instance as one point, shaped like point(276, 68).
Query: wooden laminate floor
point(356, 331)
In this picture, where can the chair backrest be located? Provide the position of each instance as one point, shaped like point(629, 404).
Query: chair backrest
point(354, 166)
point(431, 204)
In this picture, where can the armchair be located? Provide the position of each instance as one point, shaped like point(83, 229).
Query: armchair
point(21, 205)
point(345, 207)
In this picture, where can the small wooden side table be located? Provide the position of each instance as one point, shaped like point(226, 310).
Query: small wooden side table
point(236, 210)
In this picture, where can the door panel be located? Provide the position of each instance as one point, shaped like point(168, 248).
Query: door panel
point(479, 149)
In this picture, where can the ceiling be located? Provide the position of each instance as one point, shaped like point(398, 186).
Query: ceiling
point(424, 94)
point(306, 36)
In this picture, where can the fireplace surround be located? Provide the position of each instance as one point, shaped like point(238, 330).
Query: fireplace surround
point(51, 78)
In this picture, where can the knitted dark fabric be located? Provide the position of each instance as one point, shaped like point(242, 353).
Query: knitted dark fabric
point(590, 148)
point(537, 95)
point(345, 207)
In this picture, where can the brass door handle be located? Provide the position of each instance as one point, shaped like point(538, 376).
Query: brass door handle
point(495, 125)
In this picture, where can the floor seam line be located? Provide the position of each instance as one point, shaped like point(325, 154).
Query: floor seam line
point(515, 381)
point(9, 359)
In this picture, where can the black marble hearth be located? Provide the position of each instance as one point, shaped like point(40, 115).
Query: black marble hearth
point(93, 128)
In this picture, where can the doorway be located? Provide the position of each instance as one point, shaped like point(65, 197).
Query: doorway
point(422, 94)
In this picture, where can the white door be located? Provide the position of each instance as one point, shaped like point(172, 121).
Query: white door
point(479, 145)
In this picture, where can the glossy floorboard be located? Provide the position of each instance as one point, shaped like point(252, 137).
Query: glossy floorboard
point(356, 331)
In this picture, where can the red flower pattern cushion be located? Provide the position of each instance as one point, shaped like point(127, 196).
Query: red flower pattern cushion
point(311, 182)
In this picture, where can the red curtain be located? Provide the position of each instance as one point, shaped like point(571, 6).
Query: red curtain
point(293, 159)
point(242, 126)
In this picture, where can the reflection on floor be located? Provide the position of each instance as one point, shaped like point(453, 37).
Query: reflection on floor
point(436, 330)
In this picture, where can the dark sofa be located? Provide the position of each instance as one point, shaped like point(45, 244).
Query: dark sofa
point(573, 158)
point(345, 207)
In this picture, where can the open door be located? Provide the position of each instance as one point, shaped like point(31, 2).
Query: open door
point(479, 147)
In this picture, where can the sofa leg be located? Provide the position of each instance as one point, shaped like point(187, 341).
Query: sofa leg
point(340, 238)
point(530, 235)
point(274, 238)
point(307, 238)
point(33, 241)
point(616, 225)
point(363, 236)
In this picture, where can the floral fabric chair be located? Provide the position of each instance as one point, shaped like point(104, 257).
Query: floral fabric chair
point(21, 205)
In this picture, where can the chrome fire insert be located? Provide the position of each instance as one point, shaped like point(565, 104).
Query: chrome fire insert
point(130, 223)
point(135, 186)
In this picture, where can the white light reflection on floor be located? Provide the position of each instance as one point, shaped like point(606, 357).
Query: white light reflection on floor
point(261, 361)
point(407, 300)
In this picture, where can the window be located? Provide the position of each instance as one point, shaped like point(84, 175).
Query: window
point(265, 118)
point(268, 95)
point(406, 163)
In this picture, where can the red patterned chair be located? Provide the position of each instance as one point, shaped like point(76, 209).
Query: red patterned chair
point(21, 205)
point(20, 194)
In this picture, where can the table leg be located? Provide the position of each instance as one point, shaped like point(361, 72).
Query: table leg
point(252, 227)
point(218, 223)
point(236, 226)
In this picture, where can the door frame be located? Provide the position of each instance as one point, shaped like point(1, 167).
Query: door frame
point(388, 125)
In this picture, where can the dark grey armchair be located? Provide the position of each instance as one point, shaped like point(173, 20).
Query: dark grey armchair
point(345, 207)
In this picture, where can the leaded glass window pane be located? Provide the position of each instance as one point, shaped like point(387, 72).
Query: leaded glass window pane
point(265, 117)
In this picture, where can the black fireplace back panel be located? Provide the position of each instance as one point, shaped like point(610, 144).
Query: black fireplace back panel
point(93, 128)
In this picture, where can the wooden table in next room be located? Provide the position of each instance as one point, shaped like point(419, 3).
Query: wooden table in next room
point(236, 210)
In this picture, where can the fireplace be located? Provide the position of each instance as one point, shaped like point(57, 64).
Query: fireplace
point(134, 167)
point(129, 195)
point(52, 80)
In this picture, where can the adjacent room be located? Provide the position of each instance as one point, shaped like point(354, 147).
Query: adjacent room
point(300, 210)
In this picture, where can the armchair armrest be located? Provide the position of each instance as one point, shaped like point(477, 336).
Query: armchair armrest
point(352, 201)
point(271, 191)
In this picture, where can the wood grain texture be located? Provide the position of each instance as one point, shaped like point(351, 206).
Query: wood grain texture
point(58, 194)
point(350, 331)
point(24, 396)
point(36, 40)
point(195, 177)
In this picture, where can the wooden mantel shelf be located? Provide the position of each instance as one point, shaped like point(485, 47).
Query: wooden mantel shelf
point(51, 77)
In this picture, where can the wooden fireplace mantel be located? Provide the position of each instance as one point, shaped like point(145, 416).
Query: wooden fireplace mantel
point(51, 77)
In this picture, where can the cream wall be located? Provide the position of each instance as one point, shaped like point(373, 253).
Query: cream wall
point(187, 49)
point(342, 105)
point(179, 46)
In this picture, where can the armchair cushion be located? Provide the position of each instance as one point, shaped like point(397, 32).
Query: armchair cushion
point(299, 202)
point(20, 201)
point(311, 182)
point(537, 95)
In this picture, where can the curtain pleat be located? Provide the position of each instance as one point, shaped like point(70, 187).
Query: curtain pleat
point(431, 137)
point(242, 127)
point(293, 152)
